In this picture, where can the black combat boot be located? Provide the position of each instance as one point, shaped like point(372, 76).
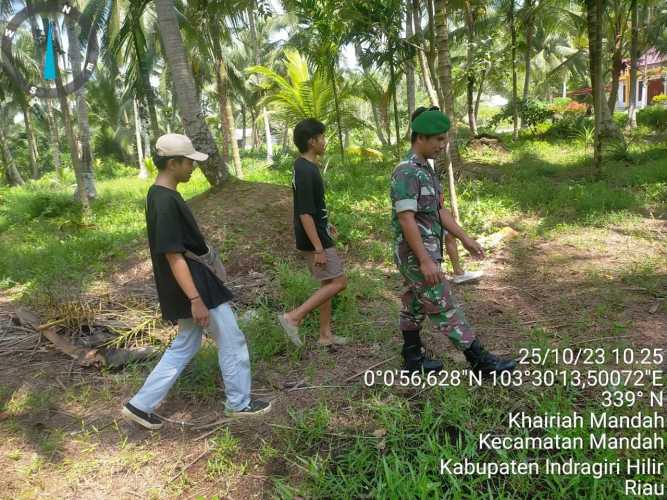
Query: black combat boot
point(416, 360)
point(483, 361)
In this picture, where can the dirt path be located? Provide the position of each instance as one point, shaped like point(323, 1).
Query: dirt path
point(61, 435)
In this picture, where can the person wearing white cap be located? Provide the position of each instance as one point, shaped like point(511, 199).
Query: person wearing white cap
point(189, 278)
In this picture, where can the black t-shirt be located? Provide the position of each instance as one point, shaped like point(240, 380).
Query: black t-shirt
point(308, 191)
point(172, 229)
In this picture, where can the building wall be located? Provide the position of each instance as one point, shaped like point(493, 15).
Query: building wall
point(655, 87)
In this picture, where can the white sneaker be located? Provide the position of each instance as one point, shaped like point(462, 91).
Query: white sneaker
point(467, 276)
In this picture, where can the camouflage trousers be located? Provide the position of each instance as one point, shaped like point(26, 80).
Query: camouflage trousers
point(421, 300)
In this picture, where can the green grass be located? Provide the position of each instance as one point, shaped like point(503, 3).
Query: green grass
point(544, 178)
point(401, 458)
point(45, 243)
point(222, 460)
point(377, 443)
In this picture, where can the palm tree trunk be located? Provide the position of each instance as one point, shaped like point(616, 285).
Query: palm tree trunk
point(426, 74)
point(515, 94)
point(143, 171)
point(149, 97)
point(236, 155)
point(385, 119)
point(145, 120)
point(81, 191)
point(227, 116)
point(433, 47)
point(479, 92)
point(470, 84)
point(594, 20)
point(265, 113)
point(267, 134)
point(243, 124)
point(86, 158)
point(634, 57)
point(617, 62)
point(605, 129)
point(529, 46)
point(452, 158)
point(54, 140)
point(594, 15)
point(285, 147)
point(410, 64)
point(145, 93)
point(378, 127)
point(393, 84)
point(222, 100)
point(254, 135)
point(11, 173)
point(334, 86)
point(32, 144)
point(616, 68)
point(189, 107)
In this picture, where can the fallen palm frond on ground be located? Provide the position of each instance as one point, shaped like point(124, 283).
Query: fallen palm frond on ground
point(90, 333)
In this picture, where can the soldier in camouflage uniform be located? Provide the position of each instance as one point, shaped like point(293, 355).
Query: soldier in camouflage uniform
point(419, 223)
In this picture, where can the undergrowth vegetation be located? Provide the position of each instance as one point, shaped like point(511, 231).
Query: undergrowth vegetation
point(391, 442)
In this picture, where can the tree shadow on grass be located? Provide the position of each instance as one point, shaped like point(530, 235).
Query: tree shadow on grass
point(567, 299)
point(567, 194)
point(25, 410)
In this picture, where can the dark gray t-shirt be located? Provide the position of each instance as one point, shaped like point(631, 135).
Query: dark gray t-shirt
point(308, 191)
point(172, 229)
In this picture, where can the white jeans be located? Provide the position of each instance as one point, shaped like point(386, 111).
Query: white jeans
point(232, 357)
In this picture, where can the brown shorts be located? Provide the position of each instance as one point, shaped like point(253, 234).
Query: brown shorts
point(333, 268)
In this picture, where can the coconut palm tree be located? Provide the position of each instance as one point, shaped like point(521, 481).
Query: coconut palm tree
point(376, 27)
point(634, 57)
point(420, 42)
point(605, 129)
point(255, 41)
point(322, 33)
point(27, 66)
point(54, 139)
point(112, 136)
point(302, 94)
point(12, 174)
point(452, 157)
point(86, 154)
point(409, 66)
point(134, 45)
point(617, 17)
point(378, 92)
point(214, 20)
point(657, 29)
point(189, 105)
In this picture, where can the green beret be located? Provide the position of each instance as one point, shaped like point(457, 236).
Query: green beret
point(431, 123)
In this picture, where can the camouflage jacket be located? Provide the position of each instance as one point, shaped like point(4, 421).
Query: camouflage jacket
point(415, 187)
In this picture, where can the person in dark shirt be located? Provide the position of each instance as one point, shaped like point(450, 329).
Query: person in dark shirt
point(314, 235)
point(189, 290)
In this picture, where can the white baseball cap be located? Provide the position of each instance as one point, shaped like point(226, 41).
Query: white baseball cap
point(178, 145)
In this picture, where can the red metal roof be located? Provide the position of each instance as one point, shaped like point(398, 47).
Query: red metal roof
point(581, 91)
